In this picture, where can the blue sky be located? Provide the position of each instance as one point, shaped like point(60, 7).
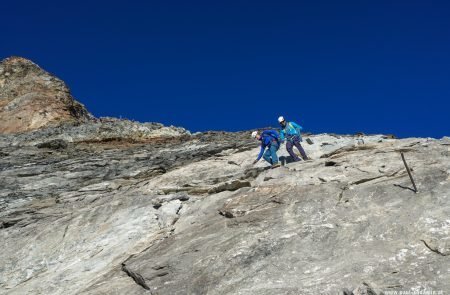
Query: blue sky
point(332, 66)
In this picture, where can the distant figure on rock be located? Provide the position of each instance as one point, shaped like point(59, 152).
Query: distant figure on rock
point(290, 132)
point(270, 140)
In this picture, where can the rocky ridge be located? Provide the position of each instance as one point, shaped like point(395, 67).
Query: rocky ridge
point(37, 107)
point(101, 130)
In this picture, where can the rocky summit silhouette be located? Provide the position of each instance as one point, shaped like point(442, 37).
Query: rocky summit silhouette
point(31, 98)
point(108, 206)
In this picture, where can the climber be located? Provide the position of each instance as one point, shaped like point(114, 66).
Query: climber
point(290, 131)
point(270, 140)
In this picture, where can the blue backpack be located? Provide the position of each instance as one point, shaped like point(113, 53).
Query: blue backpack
point(273, 134)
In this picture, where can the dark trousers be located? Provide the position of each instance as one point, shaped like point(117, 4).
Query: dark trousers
point(289, 147)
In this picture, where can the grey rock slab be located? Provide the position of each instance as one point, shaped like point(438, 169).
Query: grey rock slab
point(290, 235)
point(96, 214)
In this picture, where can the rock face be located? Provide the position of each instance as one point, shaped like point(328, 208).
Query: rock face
point(31, 98)
point(107, 206)
point(191, 215)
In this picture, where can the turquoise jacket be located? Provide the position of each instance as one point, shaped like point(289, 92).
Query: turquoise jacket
point(290, 130)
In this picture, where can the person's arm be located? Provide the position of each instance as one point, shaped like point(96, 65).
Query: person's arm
point(298, 129)
point(296, 126)
point(261, 152)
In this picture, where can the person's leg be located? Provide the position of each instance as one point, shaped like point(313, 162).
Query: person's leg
point(267, 155)
point(291, 152)
point(273, 151)
point(298, 145)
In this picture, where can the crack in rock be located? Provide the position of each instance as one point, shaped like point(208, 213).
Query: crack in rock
point(234, 212)
point(138, 279)
point(435, 249)
point(346, 150)
point(366, 180)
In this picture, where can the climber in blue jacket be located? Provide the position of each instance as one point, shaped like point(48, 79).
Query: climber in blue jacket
point(290, 132)
point(270, 140)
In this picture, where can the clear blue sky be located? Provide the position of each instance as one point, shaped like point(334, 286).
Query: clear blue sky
point(332, 66)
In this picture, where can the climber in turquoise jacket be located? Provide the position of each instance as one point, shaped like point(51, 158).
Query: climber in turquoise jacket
point(270, 140)
point(290, 132)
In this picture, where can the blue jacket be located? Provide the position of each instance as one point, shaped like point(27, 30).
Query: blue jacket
point(267, 138)
point(290, 130)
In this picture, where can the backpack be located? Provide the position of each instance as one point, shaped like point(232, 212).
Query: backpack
point(273, 134)
point(298, 131)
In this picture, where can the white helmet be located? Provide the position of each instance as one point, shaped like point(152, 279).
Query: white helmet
point(254, 133)
point(280, 119)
